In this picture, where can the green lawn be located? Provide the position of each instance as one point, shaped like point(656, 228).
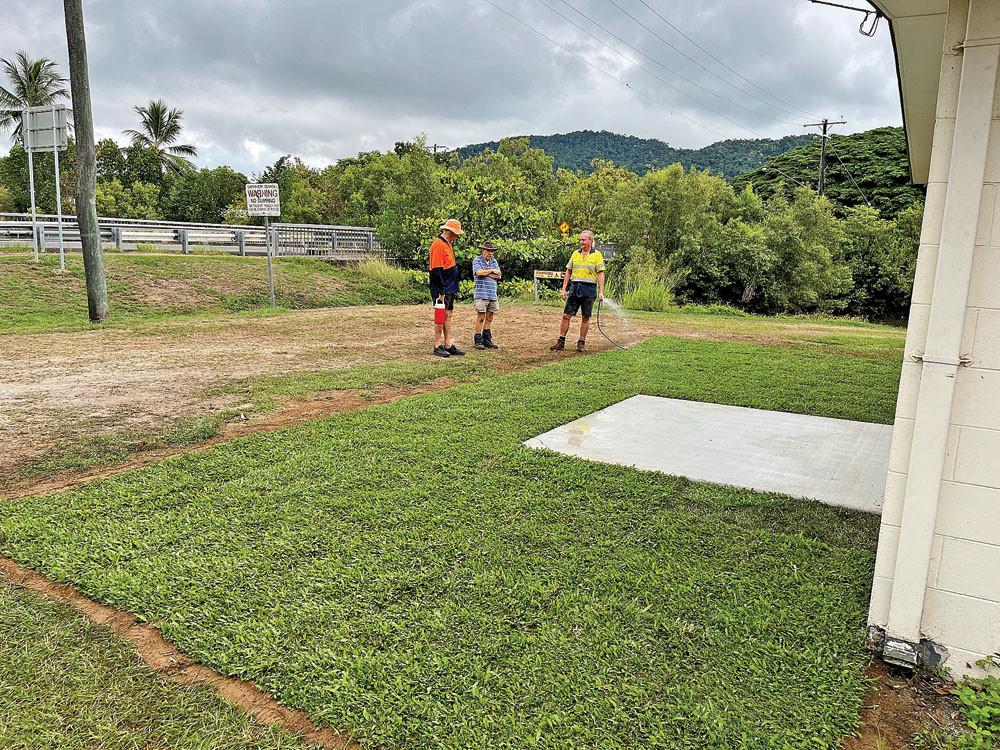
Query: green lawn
point(66, 684)
point(39, 297)
point(413, 575)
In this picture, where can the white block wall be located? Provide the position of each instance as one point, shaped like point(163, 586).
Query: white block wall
point(961, 605)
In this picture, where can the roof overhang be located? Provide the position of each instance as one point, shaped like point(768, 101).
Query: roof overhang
point(918, 33)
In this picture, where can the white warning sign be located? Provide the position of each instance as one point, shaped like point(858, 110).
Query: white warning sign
point(263, 200)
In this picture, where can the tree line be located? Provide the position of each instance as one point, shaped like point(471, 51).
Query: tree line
point(764, 248)
point(575, 151)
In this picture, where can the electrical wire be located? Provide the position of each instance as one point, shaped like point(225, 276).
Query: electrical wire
point(647, 70)
point(709, 70)
point(657, 62)
point(734, 72)
point(599, 69)
point(830, 144)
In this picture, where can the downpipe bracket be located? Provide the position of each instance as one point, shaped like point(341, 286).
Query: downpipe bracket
point(963, 361)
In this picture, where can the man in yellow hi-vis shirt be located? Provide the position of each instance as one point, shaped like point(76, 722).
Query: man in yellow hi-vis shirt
point(582, 284)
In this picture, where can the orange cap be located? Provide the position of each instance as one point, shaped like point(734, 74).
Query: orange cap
point(452, 225)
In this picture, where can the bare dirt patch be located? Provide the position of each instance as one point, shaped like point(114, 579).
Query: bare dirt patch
point(148, 377)
point(900, 704)
point(165, 658)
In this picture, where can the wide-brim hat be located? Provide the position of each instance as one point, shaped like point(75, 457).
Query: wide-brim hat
point(452, 225)
point(489, 246)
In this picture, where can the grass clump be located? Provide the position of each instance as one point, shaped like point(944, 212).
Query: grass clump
point(643, 283)
point(381, 272)
point(66, 684)
point(413, 575)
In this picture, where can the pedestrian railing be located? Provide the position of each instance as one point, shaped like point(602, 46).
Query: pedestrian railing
point(342, 243)
point(289, 240)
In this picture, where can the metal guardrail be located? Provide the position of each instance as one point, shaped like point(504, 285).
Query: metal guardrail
point(343, 243)
point(290, 240)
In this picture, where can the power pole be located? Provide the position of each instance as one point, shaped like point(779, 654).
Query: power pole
point(825, 125)
point(86, 163)
point(435, 148)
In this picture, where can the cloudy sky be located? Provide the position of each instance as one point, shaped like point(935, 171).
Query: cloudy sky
point(324, 79)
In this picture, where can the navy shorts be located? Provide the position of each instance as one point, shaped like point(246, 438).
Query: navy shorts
point(449, 301)
point(584, 304)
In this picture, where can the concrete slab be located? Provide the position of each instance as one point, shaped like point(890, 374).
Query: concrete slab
point(834, 461)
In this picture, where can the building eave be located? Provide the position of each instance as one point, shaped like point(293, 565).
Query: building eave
point(918, 33)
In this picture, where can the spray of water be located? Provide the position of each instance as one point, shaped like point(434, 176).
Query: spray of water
point(622, 332)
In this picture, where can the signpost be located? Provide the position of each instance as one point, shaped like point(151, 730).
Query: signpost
point(546, 275)
point(264, 200)
point(45, 128)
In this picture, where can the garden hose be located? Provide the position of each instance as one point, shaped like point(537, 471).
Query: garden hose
point(599, 303)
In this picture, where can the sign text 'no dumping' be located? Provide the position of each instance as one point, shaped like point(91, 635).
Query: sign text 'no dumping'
point(263, 199)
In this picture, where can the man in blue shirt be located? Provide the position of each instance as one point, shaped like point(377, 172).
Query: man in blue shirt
point(486, 273)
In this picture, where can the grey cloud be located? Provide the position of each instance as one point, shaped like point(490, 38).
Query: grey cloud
point(326, 79)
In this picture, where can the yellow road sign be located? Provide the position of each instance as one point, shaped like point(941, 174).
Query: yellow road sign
point(564, 228)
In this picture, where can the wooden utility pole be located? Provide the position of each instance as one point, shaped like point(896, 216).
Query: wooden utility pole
point(825, 125)
point(86, 163)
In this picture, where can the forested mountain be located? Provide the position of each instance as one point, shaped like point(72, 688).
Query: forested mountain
point(575, 151)
point(876, 159)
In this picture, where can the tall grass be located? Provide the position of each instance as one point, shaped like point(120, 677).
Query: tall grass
point(643, 282)
point(377, 270)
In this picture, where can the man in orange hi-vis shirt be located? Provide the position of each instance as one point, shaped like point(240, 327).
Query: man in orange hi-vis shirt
point(444, 286)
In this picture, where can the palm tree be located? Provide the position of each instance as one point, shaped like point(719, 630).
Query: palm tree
point(33, 83)
point(161, 127)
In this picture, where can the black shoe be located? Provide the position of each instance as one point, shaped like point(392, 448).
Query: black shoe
point(454, 351)
point(488, 343)
point(558, 346)
point(442, 352)
point(480, 344)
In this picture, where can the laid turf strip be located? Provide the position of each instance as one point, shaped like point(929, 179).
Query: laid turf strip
point(413, 575)
point(66, 684)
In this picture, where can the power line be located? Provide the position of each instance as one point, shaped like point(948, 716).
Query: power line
point(734, 72)
point(657, 62)
point(647, 70)
point(858, 187)
point(599, 69)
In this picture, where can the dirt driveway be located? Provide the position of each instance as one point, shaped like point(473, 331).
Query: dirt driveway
point(145, 378)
